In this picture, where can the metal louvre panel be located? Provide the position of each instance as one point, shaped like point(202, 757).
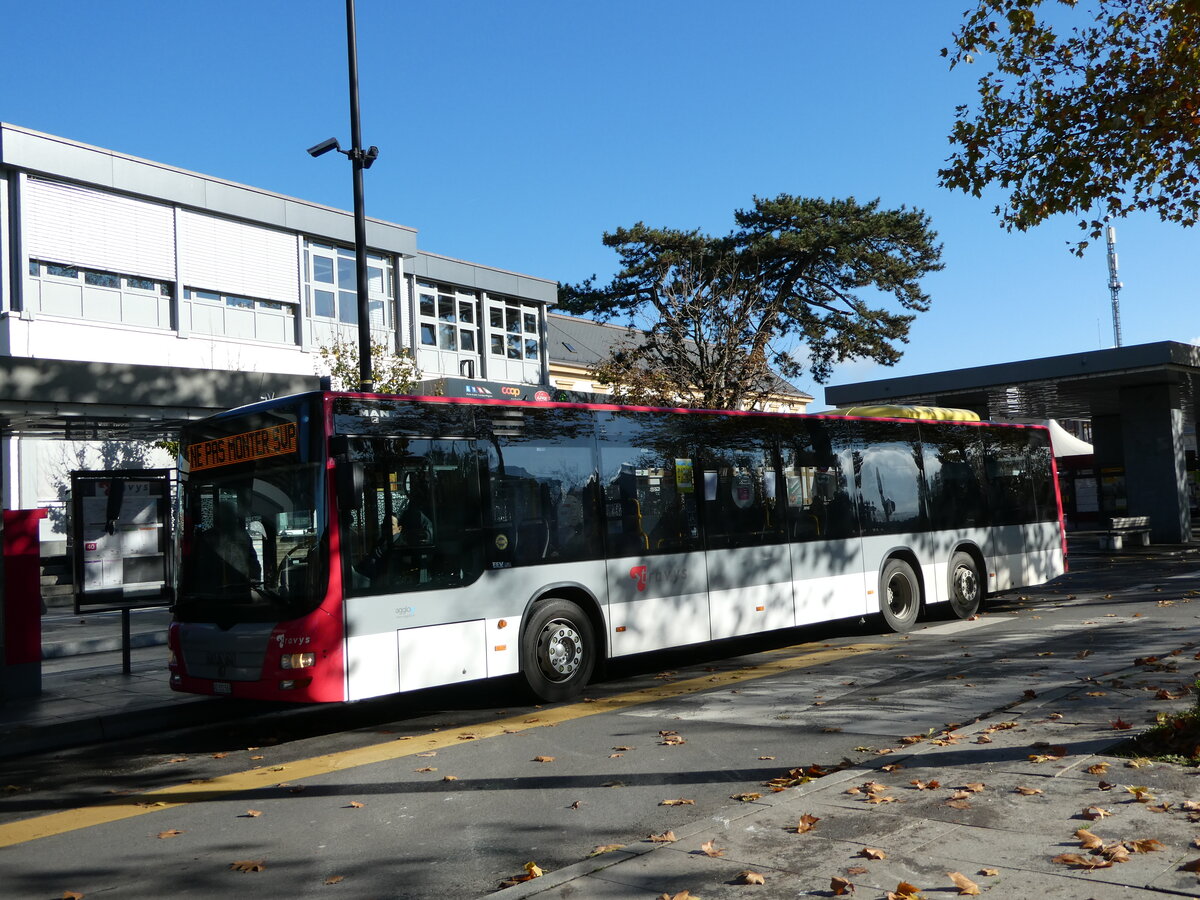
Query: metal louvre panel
point(73, 225)
point(232, 257)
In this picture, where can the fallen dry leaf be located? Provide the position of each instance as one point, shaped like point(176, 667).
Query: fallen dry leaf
point(72, 895)
point(335, 879)
point(1140, 793)
point(1082, 862)
point(449, 778)
point(966, 887)
point(682, 895)
point(353, 804)
point(426, 769)
point(1087, 840)
point(931, 785)
point(749, 877)
point(905, 891)
point(807, 823)
point(248, 865)
point(543, 759)
point(667, 837)
point(974, 786)
point(1095, 812)
point(958, 804)
point(1116, 852)
point(989, 873)
point(748, 797)
point(1027, 791)
point(1193, 866)
point(605, 848)
point(1121, 725)
point(1098, 768)
point(709, 848)
point(1145, 845)
point(533, 870)
point(872, 853)
point(624, 749)
point(164, 835)
point(251, 814)
point(840, 887)
point(682, 801)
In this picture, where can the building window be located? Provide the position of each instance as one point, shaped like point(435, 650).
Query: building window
point(514, 329)
point(62, 271)
point(102, 279)
point(333, 284)
point(446, 317)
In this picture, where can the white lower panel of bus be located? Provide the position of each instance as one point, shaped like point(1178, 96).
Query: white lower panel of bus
point(658, 622)
point(415, 658)
point(831, 597)
point(749, 610)
point(750, 590)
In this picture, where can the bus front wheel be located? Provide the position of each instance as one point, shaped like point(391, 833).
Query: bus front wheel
point(558, 650)
point(966, 588)
point(899, 595)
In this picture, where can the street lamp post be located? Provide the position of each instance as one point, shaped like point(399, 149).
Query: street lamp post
point(359, 160)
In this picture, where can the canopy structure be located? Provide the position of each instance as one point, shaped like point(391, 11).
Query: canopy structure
point(1065, 443)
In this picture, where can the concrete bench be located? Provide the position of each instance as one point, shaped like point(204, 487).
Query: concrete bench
point(1135, 528)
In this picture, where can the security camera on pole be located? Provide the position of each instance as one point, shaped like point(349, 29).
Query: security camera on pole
point(359, 159)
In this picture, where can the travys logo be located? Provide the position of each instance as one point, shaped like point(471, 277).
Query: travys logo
point(640, 574)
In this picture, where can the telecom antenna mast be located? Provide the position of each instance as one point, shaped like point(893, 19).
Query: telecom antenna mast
point(1114, 284)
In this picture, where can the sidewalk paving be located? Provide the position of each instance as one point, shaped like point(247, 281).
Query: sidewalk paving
point(1003, 840)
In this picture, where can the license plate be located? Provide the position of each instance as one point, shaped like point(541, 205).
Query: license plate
point(222, 687)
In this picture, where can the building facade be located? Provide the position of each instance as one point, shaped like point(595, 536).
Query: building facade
point(110, 259)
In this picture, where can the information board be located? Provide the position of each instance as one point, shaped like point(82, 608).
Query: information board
point(121, 529)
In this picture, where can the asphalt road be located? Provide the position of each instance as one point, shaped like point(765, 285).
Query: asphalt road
point(446, 793)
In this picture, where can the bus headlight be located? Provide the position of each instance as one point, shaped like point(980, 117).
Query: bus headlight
point(297, 660)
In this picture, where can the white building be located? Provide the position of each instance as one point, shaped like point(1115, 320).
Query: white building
point(134, 294)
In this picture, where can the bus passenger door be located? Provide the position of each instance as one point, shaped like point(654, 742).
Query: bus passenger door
point(657, 581)
point(749, 564)
point(822, 523)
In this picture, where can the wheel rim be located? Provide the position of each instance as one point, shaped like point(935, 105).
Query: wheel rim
point(966, 585)
point(900, 596)
point(560, 650)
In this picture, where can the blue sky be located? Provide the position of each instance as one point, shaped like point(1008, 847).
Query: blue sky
point(514, 134)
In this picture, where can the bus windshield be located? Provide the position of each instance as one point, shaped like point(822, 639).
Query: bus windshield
point(253, 545)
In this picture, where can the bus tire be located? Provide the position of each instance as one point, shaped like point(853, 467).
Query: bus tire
point(558, 650)
point(966, 588)
point(899, 595)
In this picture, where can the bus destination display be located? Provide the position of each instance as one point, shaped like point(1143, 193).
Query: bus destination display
point(240, 448)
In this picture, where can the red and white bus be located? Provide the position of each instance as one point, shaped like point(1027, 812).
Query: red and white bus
point(342, 546)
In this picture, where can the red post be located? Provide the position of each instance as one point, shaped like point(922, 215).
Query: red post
point(21, 670)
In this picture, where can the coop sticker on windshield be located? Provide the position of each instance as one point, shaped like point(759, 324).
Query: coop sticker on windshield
point(239, 448)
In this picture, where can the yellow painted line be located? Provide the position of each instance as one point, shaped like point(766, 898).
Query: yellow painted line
point(224, 786)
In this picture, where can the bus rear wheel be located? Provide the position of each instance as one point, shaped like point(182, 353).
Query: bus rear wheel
point(558, 650)
point(966, 589)
point(899, 595)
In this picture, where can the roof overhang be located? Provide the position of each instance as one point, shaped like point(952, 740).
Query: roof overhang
point(1076, 385)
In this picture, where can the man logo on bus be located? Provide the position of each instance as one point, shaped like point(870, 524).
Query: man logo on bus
point(640, 575)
